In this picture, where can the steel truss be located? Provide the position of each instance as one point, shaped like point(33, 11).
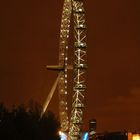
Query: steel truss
point(80, 69)
point(71, 9)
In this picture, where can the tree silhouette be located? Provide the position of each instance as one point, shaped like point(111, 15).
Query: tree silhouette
point(24, 123)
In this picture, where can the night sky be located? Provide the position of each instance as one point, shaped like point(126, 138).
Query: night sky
point(29, 40)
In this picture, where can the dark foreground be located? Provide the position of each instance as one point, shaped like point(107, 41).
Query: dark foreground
point(24, 123)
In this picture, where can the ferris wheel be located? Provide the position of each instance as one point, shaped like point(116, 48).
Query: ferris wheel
point(73, 10)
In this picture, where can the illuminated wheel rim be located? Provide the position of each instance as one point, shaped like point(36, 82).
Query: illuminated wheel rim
point(76, 9)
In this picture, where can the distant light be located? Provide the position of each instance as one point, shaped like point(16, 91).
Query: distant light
point(63, 136)
point(136, 137)
point(85, 136)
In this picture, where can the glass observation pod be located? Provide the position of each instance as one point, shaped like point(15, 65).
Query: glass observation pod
point(81, 66)
point(79, 11)
point(78, 105)
point(81, 26)
point(80, 87)
point(80, 45)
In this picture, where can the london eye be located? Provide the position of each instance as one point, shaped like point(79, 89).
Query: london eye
point(73, 14)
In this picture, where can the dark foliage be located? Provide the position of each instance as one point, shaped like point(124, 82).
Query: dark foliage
point(24, 123)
